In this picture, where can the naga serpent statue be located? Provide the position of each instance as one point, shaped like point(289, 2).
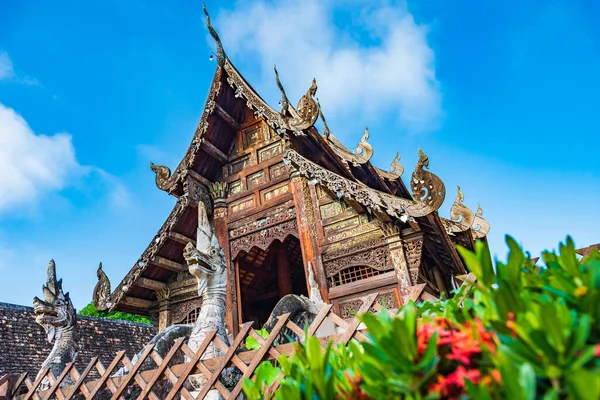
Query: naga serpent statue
point(57, 316)
point(207, 263)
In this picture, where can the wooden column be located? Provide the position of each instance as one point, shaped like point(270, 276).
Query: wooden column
point(303, 201)
point(284, 279)
point(400, 265)
point(163, 315)
point(220, 226)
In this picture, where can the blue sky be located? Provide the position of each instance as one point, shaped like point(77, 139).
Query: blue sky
point(502, 96)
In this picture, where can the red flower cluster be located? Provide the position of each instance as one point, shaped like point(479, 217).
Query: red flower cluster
point(462, 345)
point(355, 392)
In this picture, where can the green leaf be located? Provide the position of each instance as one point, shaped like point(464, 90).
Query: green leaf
point(527, 381)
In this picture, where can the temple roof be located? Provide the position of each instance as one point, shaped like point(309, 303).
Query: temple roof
point(233, 104)
point(586, 251)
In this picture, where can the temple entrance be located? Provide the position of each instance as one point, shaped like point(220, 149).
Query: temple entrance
point(265, 276)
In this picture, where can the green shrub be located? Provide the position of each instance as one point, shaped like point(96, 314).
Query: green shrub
point(91, 311)
point(520, 332)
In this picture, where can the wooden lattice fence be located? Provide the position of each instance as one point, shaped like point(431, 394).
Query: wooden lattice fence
point(167, 380)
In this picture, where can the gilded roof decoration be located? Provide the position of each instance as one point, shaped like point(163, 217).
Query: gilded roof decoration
point(361, 193)
point(302, 117)
point(427, 187)
point(218, 190)
point(101, 295)
point(220, 52)
point(164, 180)
point(458, 210)
point(480, 226)
point(363, 152)
point(395, 172)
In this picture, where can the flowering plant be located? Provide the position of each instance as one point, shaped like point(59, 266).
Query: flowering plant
point(520, 331)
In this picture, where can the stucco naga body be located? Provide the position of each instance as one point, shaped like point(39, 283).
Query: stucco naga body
point(56, 314)
point(206, 261)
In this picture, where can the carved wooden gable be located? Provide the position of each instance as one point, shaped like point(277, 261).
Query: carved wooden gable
point(256, 175)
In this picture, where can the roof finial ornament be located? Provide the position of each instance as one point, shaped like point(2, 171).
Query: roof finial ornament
point(285, 103)
point(304, 115)
point(458, 210)
point(480, 227)
point(364, 150)
point(427, 187)
point(396, 168)
point(164, 180)
point(101, 295)
point(326, 130)
point(220, 52)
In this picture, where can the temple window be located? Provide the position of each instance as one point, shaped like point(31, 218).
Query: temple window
point(352, 274)
point(191, 317)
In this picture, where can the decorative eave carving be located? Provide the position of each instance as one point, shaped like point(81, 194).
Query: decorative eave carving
point(458, 210)
point(264, 237)
point(253, 101)
point(427, 187)
point(376, 258)
point(164, 180)
point(170, 182)
point(363, 152)
point(218, 190)
point(221, 56)
point(376, 200)
point(101, 295)
point(305, 115)
point(480, 226)
point(149, 254)
point(395, 172)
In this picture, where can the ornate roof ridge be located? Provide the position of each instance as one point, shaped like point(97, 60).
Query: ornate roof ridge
point(148, 255)
point(475, 222)
point(428, 189)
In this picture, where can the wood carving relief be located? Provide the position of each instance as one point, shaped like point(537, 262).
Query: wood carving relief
point(357, 243)
point(401, 267)
point(427, 203)
point(197, 192)
point(181, 310)
point(280, 214)
point(413, 251)
point(269, 151)
point(378, 258)
point(308, 216)
point(264, 237)
point(349, 309)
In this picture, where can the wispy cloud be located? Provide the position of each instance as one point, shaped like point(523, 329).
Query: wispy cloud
point(388, 67)
point(7, 72)
point(6, 66)
point(33, 165)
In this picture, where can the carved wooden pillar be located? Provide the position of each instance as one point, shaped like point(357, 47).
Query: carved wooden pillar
point(307, 230)
point(284, 279)
point(413, 251)
point(164, 308)
point(218, 192)
point(400, 265)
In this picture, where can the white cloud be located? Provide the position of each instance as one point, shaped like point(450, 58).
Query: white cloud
point(389, 68)
point(6, 66)
point(33, 165)
point(7, 72)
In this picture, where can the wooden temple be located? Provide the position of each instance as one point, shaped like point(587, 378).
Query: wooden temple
point(283, 196)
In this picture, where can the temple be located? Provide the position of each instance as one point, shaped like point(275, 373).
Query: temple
point(282, 196)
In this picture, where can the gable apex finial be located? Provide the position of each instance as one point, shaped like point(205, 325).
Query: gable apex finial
point(220, 52)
